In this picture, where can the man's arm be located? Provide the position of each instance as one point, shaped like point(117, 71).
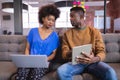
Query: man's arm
point(97, 53)
point(66, 52)
point(99, 47)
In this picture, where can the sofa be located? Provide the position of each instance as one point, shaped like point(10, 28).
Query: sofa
point(15, 44)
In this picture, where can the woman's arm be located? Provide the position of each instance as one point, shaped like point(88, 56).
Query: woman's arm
point(27, 49)
point(52, 55)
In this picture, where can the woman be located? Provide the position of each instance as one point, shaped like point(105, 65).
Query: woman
point(41, 41)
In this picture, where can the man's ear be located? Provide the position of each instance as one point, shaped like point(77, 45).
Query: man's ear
point(84, 18)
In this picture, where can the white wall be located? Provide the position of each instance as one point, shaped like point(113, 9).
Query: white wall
point(6, 24)
point(26, 31)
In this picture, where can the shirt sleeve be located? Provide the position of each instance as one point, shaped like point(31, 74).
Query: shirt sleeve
point(65, 47)
point(99, 46)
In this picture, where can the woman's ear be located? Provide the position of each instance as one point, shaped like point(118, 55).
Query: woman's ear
point(43, 19)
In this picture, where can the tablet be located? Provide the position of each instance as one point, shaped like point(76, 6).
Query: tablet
point(76, 51)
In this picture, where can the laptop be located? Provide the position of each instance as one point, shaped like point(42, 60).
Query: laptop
point(76, 51)
point(30, 61)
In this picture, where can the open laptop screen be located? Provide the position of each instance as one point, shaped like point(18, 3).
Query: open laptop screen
point(30, 61)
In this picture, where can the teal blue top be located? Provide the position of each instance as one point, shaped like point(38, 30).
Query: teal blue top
point(42, 47)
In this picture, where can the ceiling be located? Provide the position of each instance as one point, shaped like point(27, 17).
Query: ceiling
point(38, 3)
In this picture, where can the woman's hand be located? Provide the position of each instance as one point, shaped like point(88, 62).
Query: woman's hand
point(52, 55)
point(27, 48)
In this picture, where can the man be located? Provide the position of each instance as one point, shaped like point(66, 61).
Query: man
point(81, 35)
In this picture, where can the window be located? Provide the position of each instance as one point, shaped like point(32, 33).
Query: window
point(99, 20)
point(30, 19)
point(64, 20)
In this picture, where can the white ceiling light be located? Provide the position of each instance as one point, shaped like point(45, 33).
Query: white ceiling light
point(9, 7)
point(88, 3)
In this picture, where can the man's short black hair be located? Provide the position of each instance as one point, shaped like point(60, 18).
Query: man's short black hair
point(77, 9)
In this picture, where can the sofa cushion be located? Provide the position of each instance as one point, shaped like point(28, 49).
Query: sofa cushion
point(87, 76)
point(11, 44)
point(6, 69)
point(53, 76)
point(112, 45)
point(50, 76)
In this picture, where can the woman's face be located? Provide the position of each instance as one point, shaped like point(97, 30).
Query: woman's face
point(49, 21)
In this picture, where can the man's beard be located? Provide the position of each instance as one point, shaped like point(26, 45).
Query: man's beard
point(76, 25)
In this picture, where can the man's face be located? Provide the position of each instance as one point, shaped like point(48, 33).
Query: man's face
point(77, 18)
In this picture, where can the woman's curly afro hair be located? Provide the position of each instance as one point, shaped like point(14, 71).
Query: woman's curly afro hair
point(47, 10)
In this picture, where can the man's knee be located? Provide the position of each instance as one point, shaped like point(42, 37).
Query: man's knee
point(111, 72)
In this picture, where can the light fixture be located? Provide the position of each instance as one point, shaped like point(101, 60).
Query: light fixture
point(9, 7)
point(87, 3)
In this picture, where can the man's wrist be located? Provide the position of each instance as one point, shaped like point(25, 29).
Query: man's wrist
point(97, 58)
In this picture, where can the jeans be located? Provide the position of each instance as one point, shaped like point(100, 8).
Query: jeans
point(100, 69)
